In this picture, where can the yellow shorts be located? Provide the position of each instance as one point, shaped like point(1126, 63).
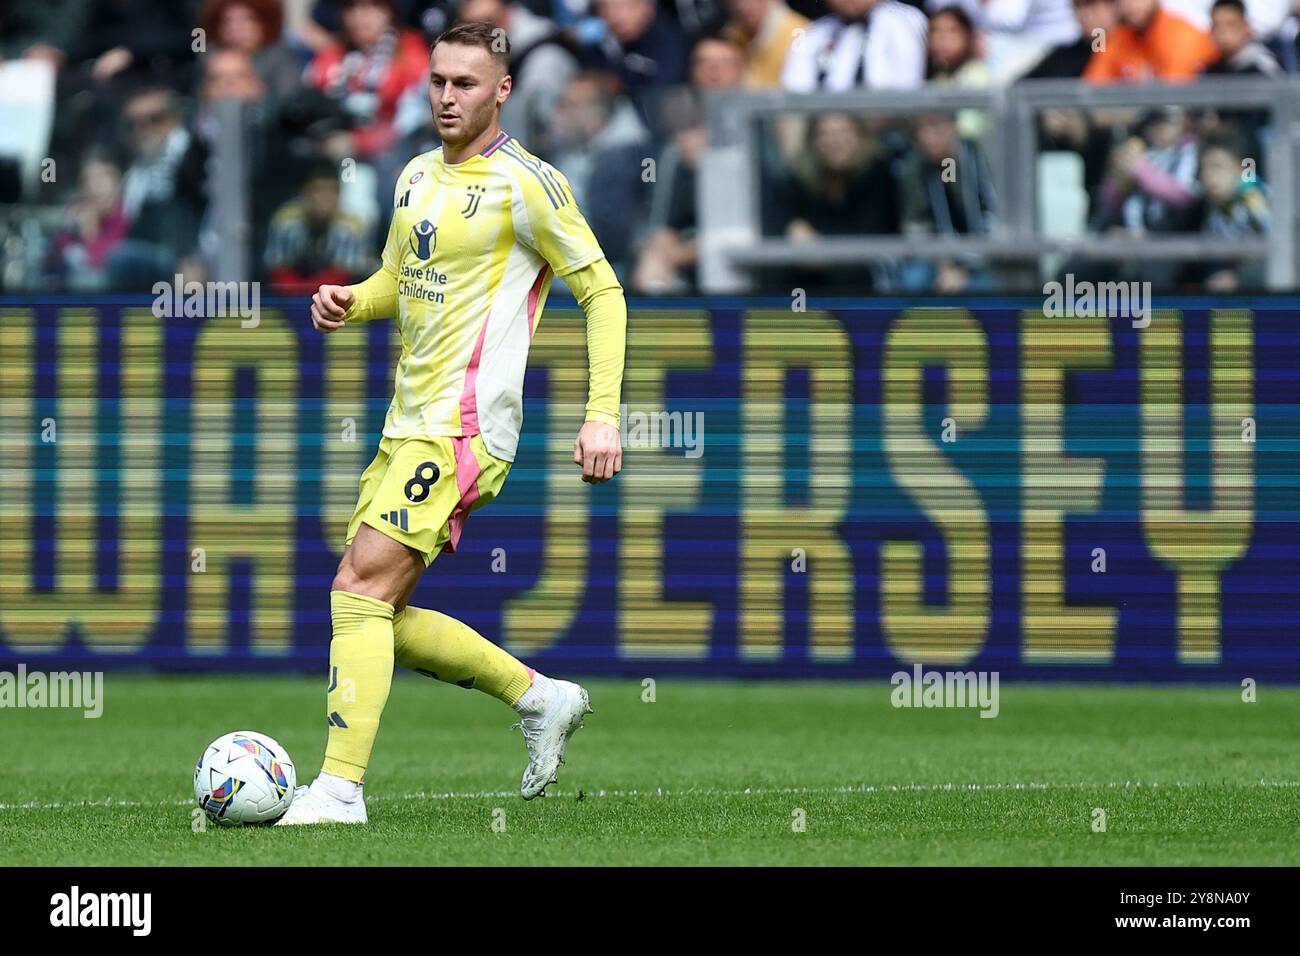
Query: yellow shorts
point(419, 490)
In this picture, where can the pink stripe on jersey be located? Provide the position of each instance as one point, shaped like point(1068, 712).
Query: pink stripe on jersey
point(533, 295)
point(495, 145)
point(469, 395)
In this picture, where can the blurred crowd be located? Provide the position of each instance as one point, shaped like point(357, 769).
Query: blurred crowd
point(124, 108)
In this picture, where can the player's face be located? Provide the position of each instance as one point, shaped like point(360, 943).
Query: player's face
point(466, 89)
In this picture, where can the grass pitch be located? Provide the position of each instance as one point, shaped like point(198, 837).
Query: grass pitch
point(710, 773)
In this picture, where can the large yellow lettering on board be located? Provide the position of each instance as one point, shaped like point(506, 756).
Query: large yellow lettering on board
point(954, 632)
point(347, 445)
point(1198, 544)
point(1054, 484)
point(265, 530)
point(533, 621)
point(656, 480)
point(771, 529)
point(109, 622)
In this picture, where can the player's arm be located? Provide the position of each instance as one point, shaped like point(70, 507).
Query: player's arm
point(335, 305)
point(374, 298)
point(559, 232)
point(598, 448)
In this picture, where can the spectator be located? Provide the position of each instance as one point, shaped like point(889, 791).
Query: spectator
point(717, 63)
point(1149, 187)
point(95, 225)
point(163, 191)
point(1017, 33)
point(273, 167)
point(1240, 54)
point(1265, 16)
point(950, 40)
point(1096, 19)
point(643, 48)
point(1236, 207)
point(1152, 181)
point(600, 145)
point(839, 185)
point(843, 186)
point(953, 61)
point(1150, 43)
point(369, 70)
point(312, 242)
point(668, 260)
point(945, 189)
point(878, 44)
point(541, 64)
point(230, 74)
point(254, 27)
point(765, 29)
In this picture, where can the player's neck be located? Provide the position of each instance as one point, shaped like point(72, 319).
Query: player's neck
point(453, 155)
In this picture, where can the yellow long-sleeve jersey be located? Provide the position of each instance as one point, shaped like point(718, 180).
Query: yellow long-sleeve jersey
point(467, 266)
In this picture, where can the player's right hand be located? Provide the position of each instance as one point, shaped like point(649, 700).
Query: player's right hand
point(329, 305)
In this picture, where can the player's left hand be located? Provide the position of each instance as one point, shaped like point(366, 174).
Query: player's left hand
point(599, 451)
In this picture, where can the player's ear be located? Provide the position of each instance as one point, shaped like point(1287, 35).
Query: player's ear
point(503, 91)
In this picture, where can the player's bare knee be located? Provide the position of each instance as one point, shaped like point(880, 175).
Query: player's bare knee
point(346, 579)
point(354, 580)
point(351, 578)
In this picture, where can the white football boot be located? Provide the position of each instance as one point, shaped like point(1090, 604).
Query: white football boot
point(313, 805)
point(547, 733)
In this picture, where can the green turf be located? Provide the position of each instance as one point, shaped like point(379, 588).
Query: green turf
point(711, 772)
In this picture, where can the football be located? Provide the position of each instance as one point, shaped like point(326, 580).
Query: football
point(244, 779)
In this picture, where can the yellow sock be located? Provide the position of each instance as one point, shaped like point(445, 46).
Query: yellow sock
point(361, 674)
point(449, 650)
